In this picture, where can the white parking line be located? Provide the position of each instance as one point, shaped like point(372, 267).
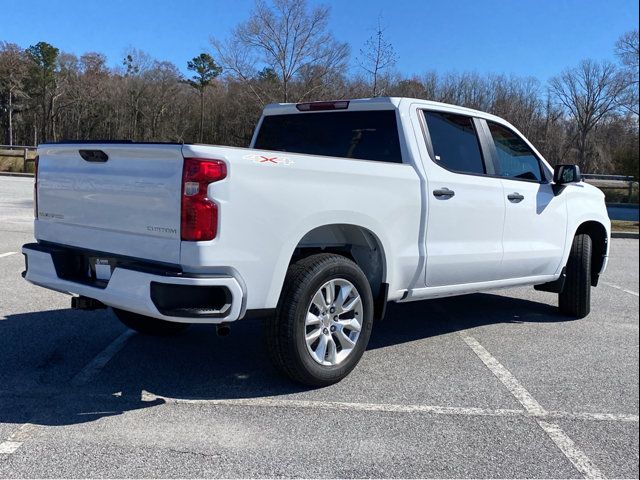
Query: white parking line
point(613, 285)
point(99, 361)
point(8, 447)
point(598, 417)
point(329, 405)
point(7, 254)
point(577, 457)
point(17, 438)
point(385, 407)
point(508, 380)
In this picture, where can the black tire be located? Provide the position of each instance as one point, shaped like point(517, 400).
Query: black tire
point(149, 325)
point(575, 298)
point(286, 330)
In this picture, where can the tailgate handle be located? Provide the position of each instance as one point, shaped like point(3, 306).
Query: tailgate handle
point(94, 155)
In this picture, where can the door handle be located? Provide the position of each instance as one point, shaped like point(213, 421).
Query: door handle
point(443, 193)
point(515, 197)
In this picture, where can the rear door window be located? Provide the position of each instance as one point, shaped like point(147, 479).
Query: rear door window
point(455, 142)
point(363, 135)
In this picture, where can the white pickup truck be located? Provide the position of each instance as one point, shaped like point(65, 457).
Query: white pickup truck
point(334, 210)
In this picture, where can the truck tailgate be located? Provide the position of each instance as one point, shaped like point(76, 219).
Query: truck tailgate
point(128, 204)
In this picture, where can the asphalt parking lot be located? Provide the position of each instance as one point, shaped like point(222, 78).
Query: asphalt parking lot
point(487, 385)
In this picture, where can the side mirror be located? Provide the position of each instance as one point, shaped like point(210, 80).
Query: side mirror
point(564, 174)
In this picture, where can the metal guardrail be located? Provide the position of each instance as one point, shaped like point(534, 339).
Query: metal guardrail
point(612, 181)
point(598, 176)
point(18, 151)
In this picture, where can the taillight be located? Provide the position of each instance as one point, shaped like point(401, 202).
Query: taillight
point(35, 188)
point(199, 216)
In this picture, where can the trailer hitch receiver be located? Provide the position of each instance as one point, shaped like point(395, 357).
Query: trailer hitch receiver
point(86, 303)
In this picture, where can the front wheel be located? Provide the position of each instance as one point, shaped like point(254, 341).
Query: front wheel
point(149, 325)
point(575, 298)
point(323, 320)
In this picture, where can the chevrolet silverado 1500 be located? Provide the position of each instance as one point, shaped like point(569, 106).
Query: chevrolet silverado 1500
point(335, 209)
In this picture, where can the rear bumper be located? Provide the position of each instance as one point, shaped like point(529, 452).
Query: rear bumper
point(142, 292)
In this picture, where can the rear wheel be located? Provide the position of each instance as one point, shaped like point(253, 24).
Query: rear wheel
point(575, 298)
point(323, 320)
point(149, 325)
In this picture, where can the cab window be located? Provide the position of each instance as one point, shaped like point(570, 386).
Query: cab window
point(455, 142)
point(514, 157)
point(363, 135)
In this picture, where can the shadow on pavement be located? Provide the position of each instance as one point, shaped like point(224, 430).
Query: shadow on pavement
point(196, 364)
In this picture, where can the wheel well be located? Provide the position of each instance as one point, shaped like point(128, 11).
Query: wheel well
point(598, 234)
point(354, 242)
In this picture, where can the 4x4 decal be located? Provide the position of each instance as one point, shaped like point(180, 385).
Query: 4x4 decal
point(268, 160)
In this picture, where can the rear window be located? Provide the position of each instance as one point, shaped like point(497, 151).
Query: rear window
point(455, 142)
point(369, 135)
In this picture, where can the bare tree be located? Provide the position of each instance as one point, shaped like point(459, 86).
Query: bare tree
point(286, 36)
point(584, 115)
point(13, 71)
point(626, 50)
point(92, 91)
point(377, 55)
point(589, 93)
point(408, 87)
point(163, 79)
point(136, 63)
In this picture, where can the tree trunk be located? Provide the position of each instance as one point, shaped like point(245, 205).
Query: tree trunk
point(285, 89)
point(134, 127)
point(201, 115)
point(43, 127)
point(10, 118)
point(52, 117)
point(582, 151)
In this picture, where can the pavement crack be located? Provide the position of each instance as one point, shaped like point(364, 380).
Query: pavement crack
point(190, 452)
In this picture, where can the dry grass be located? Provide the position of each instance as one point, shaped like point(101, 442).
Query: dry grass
point(624, 226)
point(14, 164)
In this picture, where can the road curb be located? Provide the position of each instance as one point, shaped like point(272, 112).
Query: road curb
point(15, 174)
point(625, 235)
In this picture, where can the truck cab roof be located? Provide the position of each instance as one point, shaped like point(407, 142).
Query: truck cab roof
point(378, 103)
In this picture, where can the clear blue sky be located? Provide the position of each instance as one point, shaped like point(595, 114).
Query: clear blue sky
point(520, 37)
